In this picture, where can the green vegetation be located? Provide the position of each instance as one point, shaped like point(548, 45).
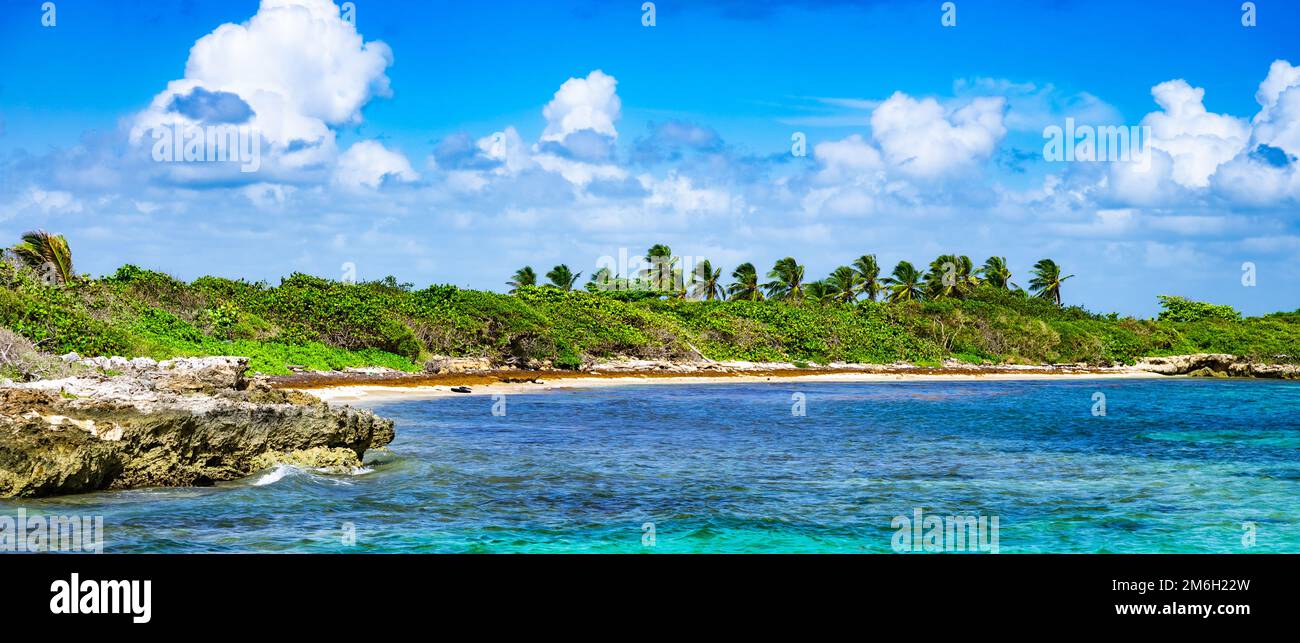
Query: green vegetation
point(746, 287)
point(1180, 309)
point(953, 311)
point(523, 277)
point(47, 254)
point(1047, 280)
point(707, 285)
point(19, 360)
point(563, 278)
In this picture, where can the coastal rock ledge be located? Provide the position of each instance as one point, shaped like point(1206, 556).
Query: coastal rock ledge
point(1217, 365)
point(181, 422)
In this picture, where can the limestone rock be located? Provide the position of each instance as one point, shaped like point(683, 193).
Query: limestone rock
point(186, 422)
point(201, 373)
point(1217, 365)
point(330, 460)
point(441, 364)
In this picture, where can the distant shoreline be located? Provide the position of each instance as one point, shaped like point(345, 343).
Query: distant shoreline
point(370, 388)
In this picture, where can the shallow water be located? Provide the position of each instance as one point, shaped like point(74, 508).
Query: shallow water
point(1173, 466)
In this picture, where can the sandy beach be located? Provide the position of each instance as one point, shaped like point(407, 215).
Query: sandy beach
point(362, 391)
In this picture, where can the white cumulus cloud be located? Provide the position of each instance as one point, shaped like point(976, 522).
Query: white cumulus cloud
point(851, 160)
point(1278, 121)
point(292, 72)
point(583, 104)
point(368, 163)
point(580, 130)
point(924, 139)
point(1199, 141)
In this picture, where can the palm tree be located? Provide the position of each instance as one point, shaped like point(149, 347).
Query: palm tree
point(745, 286)
point(787, 280)
point(523, 277)
point(844, 284)
point(563, 278)
point(1047, 280)
point(820, 292)
point(47, 253)
point(706, 285)
point(904, 284)
point(950, 276)
point(868, 276)
point(660, 273)
point(996, 273)
point(602, 279)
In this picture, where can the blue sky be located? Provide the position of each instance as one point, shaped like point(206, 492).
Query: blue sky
point(454, 142)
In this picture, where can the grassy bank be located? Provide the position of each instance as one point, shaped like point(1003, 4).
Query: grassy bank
point(322, 324)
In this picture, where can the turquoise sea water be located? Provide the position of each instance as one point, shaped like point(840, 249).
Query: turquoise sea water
point(1173, 466)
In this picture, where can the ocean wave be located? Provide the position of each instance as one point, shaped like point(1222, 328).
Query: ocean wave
point(283, 472)
point(273, 476)
point(356, 471)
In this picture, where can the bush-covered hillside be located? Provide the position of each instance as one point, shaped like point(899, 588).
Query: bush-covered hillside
point(322, 324)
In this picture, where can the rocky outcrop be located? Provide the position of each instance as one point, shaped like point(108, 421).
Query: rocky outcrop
point(185, 422)
point(441, 364)
point(330, 460)
point(629, 365)
point(1217, 365)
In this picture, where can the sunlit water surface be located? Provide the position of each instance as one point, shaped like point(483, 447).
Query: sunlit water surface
point(1172, 466)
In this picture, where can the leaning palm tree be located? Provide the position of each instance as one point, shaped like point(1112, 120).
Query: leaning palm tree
point(1047, 280)
point(745, 286)
point(47, 253)
point(602, 279)
point(996, 273)
point(820, 292)
point(844, 284)
point(950, 276)
point(904, 284)
point(661, 273)
point(563, 278)
point(787, 280)
point(523, 277)
point(868, 276)
point(706, 284)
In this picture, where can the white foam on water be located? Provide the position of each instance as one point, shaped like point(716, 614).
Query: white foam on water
point(274, 475)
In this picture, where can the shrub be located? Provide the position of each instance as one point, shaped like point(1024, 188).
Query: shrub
point(19, 359)
point(1179, 309)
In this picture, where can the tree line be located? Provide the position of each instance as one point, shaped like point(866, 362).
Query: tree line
point(948, 276)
